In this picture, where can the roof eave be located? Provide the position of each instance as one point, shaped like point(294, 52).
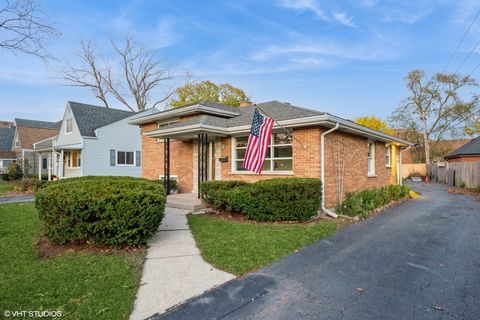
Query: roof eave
point(197, 108)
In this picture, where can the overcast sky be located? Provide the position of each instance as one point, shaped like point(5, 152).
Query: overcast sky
point(343, 57)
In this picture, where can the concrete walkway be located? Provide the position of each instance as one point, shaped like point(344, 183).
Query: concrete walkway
point(16, 199)
point(173, 271)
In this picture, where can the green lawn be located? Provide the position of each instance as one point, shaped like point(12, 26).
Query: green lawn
point(239, 247)
point(5, 187)
point(80, 285)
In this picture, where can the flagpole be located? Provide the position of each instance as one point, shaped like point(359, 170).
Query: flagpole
point(288, 132)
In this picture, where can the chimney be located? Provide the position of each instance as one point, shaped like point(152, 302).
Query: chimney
point(245, 103)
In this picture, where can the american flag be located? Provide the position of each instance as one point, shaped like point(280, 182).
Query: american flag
point(258, 141)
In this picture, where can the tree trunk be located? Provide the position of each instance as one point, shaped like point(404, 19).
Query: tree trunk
point(426, 142)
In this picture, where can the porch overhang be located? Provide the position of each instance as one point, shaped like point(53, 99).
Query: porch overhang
point(187, 132)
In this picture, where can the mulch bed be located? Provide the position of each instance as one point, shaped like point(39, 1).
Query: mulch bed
point(47, 249)
point(238, 217)
point(464, 191)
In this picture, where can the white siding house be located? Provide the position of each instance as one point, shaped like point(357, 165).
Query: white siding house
point(95, 141)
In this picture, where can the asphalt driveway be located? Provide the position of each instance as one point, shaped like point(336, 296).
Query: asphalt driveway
point(418, 260)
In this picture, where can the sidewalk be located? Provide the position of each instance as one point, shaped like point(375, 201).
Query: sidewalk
point(16, 199)
point(173, 271)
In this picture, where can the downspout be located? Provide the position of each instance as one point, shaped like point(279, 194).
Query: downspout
point(322, 139)
point(400, 179)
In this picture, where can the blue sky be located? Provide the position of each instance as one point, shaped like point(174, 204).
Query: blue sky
point(345, 57)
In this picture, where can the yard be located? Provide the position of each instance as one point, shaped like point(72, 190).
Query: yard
point(84, 285)
point(241, 247)
point(5, 187)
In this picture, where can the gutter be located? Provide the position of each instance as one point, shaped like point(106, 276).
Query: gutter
point(328, 212)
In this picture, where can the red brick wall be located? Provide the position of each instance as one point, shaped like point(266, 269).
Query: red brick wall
point(465, 159)
point(306, 161)
point(181, 159)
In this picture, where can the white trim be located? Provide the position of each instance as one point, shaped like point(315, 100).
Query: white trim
point(182, 111)
point(388, 151)
point(322, 165)
point(371, 158)
point(271, 146)
point(125, 165)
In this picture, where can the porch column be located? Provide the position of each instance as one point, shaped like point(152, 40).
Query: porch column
point(166, 164)
point(49, 166)
point(61, 164)
point(202, 172)
point(39, 166)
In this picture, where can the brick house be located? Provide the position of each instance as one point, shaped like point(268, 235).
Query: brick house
point(207, 141)
point(469, 152)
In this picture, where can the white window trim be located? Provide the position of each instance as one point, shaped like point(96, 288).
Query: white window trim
point(125, 165)
point(66, 126)
point(271, 172)
point(166, 122)
point(69, 155)
point(371, 173)
point(388, 150)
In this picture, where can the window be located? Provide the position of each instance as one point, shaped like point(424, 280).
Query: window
point(17, 143)
point(125, 158)
point(44, 163)
point(388, 156)
point(74, 159)
point(279, 155)
point(371, 158)
point(68, 125)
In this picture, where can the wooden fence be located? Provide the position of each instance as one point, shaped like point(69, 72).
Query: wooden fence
point(456, 174)
point(416, 169)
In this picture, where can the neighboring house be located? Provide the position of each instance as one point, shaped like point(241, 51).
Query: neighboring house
point(94, 140)
point(469, 152)
point(207, 141)
point(6, 139)
point(27, 132)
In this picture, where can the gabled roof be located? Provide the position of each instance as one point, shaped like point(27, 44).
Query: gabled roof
point(37, 124)
point(6, 138)
point(470, 149)
point(28, 135)
point(89, 117)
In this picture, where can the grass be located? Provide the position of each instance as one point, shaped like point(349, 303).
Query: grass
point(5, 187)
point(239, 247)
point(80, 285)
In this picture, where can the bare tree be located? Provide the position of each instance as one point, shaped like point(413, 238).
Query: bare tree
point(131, 76)
point(23, 29)
point(437, 106)
point(91, 75)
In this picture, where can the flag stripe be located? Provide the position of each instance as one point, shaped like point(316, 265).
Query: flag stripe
point(258, 142)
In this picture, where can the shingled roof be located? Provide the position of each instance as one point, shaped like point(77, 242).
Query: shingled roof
point(470, 149)
point(90, 117)
point(37, 124)
point(6, 138)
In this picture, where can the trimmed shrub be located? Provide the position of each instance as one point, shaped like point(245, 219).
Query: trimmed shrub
point(215, 192)
point(110, 211)
point(362, 203)
point(286, 199)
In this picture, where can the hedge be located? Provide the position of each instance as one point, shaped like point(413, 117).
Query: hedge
point(362, 203)
point(107, 211)
point(286, 199)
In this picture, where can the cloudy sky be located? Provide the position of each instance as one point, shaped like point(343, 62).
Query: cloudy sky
point(345, 57)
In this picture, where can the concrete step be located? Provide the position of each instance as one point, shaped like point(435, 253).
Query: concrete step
point(185, 201)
